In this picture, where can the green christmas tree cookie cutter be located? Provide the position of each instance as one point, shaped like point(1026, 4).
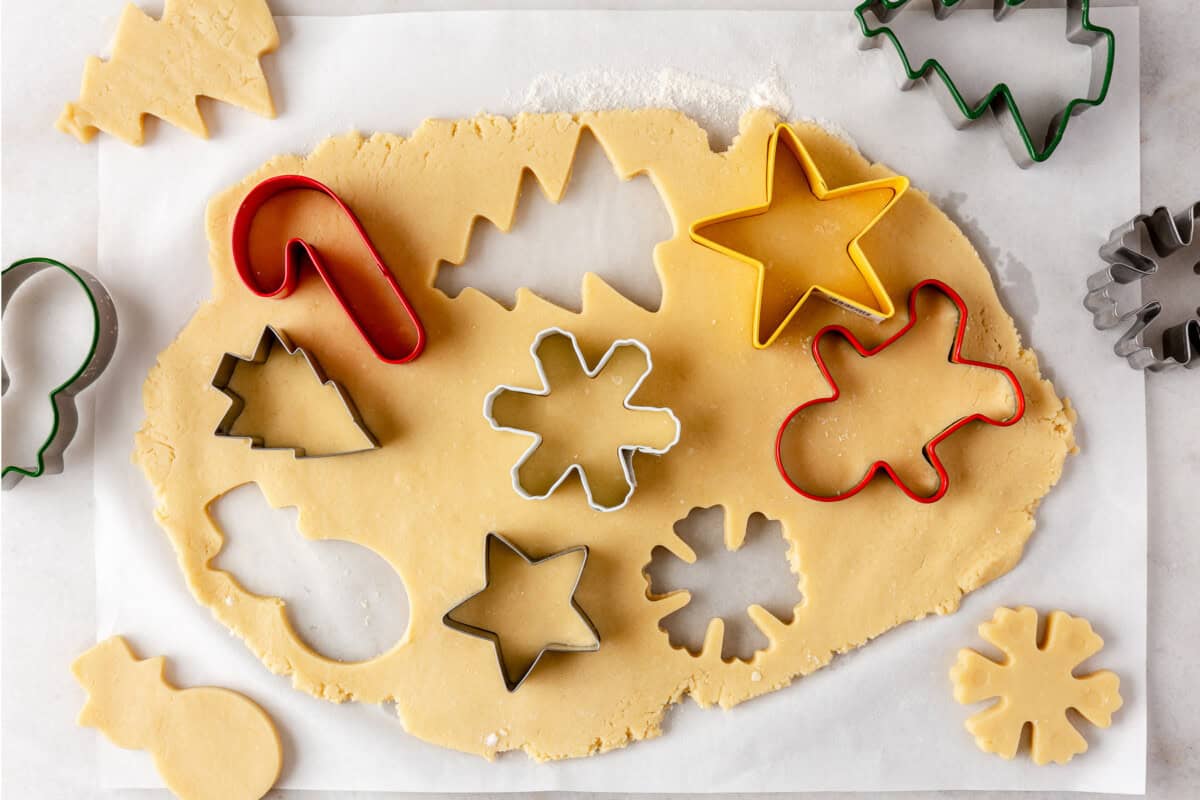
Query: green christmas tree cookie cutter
point(62, 398)
point(1021, 144)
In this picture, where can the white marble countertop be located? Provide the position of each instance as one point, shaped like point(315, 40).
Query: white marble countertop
point(48, 599)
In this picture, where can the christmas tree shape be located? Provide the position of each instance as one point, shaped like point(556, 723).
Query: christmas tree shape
point(280, 399)
point(160, 67)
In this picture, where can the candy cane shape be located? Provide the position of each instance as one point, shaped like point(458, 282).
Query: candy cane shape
point(375, 304)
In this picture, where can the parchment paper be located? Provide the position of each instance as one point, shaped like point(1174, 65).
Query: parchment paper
point(880, 718)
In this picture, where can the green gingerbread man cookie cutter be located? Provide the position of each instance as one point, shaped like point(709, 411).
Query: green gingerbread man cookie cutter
point(65, 422)
point(1021, 143)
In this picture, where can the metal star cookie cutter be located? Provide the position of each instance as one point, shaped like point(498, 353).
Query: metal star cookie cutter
point(898, 185)
point(62, 398)
point(1021, 144)
point(625, 453)
point(1174, 249)
point(269, 339)
point(930, 448)
point(511, 683)
point(297, 251)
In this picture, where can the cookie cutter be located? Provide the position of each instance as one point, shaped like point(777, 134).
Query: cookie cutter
point(1020, 142)
point(1174, 248)
point(511, 683)
point(377, 333)
point(898, 185)
point(930, 448)
point(269, 339)
point(62, 398)
point(625, 453)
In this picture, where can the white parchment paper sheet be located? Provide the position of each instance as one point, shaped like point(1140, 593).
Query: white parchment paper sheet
point(880, 718)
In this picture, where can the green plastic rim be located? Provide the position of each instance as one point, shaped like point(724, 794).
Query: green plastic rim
point(999, 92)
point(33, 266)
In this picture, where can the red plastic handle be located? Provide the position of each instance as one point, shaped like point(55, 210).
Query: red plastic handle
point(930, 449)
point(374, 315)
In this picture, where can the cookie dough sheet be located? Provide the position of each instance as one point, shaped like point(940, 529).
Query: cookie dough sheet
point(880, 718)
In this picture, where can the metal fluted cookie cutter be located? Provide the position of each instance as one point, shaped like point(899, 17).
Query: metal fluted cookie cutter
point(1168, 275)
point(1025, 149)
point(271, 337)
point(511, 682)
point(929, 451)
point(897, 185)
point(625, 452)
point(372, 299)
point(62, 398)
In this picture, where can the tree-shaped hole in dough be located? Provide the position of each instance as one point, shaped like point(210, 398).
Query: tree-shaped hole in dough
point(602, 225)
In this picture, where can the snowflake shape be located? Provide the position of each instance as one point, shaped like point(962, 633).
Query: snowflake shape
point(565, 464)
point(1036, 685)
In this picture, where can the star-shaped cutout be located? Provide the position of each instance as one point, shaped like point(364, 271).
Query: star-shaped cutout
point(526, 608)
point(799, 248)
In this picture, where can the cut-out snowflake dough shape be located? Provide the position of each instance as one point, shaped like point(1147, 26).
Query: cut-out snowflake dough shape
point(1036, 685)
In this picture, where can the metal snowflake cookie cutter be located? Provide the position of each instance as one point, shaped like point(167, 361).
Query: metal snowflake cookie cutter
point(1112, 297)
point(62, 398)
point(625, 452)
point(270, 338)
point(511, 683)
point(1025, 150)
point(929, 451)
point(882, 309)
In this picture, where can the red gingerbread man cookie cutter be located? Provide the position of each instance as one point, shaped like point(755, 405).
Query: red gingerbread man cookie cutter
point(375, 319)
point(930, 448)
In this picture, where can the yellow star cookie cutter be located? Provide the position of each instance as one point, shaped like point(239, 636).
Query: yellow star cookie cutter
point(897, 184)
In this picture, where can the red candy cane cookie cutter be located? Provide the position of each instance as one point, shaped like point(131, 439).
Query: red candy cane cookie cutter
point(297, 252)
point(930, 448)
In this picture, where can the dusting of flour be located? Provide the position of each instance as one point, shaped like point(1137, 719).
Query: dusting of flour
point(716, 106)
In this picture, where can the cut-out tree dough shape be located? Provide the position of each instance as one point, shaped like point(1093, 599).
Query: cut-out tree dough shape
point(526, 608)
point(832, 447)
point(601, 449)
point(280, 399)
point(160, 67)
point(1036, 685)
point(727, 588)
point(819, 252)
point(208, 743)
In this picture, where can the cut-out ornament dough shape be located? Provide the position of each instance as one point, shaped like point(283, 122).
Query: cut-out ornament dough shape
point(439, 480)
point(208, 743)
point(1035, 684)
point(161, 67)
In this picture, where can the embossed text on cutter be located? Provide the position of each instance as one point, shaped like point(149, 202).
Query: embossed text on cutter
point(271, 337)
point(898, 185)
point(377, 333)
point(930, 448)
point(625, 453)
point(511, 683)
point(1174, 243)
point(1021, 144)
point(103, 343)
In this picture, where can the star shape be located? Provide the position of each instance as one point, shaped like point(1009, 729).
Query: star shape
point(488, 613)
point(775, 287)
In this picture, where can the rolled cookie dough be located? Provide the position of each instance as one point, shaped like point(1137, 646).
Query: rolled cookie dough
point(440, 483)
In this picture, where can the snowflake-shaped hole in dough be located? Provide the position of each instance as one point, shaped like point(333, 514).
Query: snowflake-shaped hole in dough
point(725, 586)
point(1036, 685)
